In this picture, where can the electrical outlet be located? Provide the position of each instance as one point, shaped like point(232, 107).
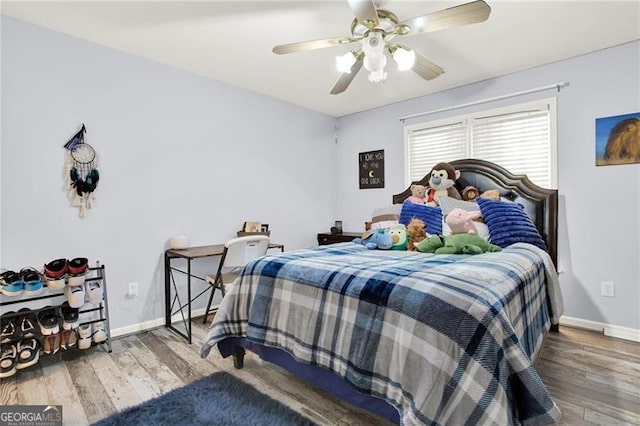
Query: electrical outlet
point(607, 289)
point(133, 289)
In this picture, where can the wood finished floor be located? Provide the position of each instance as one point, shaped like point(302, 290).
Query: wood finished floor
point(594, 379)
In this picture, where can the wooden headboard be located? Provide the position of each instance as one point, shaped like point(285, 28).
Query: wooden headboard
point(541, 204)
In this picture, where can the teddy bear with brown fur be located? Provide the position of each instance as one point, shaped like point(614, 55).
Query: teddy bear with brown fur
point(416, 231)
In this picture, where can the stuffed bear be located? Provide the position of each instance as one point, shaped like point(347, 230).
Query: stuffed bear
point(470, 193)
point(418, 194)
point(461, 221)
point(456, 244)
point(378, 239)
point(442, 180)
point(417, 231)
point(399, 238)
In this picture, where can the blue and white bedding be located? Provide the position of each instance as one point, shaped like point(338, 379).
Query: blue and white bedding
point(445, 339)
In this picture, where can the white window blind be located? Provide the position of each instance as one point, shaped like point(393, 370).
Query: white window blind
point(520, 138)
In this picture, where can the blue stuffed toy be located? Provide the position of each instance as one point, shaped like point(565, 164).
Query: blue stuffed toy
point(378, 239)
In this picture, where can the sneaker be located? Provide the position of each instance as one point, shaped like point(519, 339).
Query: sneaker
point(55, 269)
point(99, 335)
point(78, 266)
point(74, 295)
point(84, 336)
point(8, 327)
point(27, 322)
point(94, 292)
point(48, 321)
point(76, 280)
point(8, 360)
point(68, 339)
point(11, 284)
point(28, 353)
point(32, 281)
point(69, 316)
point(51, 343)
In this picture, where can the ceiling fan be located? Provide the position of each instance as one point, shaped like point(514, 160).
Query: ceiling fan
point(375, 30)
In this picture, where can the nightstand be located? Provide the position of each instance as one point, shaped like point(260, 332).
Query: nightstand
point(328, 238)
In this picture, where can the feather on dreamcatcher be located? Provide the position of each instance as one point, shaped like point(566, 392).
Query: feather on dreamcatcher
point(81, 171)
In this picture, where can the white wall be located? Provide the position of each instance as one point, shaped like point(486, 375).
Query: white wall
point(599, 206)
point(179, 154)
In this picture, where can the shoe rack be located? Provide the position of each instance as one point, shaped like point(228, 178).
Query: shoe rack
point(88, 314)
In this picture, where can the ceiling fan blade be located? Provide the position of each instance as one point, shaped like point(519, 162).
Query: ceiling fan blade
point(425, 68)
point(346, 78)
point(302, 46)
point(365, 12)
point(464, 14)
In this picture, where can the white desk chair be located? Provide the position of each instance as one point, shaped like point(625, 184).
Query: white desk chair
point(237, 253)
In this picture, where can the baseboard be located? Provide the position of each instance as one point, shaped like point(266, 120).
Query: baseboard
point(617, 331)
point(151, 324)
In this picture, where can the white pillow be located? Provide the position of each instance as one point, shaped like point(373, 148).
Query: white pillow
point(386, 217)
point(448, 203)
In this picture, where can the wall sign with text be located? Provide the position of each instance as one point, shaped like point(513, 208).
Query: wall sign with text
point(371, 166)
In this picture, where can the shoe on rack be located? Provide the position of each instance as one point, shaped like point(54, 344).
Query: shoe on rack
point(28, 352)
point(49, 321)
point(68, 339)
point(32, 281)
point(55, 269)
point(99, 334)
point(78, 265)
point(84, 336)
point(8, 360)
point(74, 295)
point(9, 330)
point(94, 292)
point(27, 322)
point(11, 284)
point(69, 316)
point(51, 343)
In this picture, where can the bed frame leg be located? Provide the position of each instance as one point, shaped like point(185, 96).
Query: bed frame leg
point(238, 357)
point(555, 328)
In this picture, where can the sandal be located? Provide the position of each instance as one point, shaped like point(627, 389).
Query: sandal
point(8, 360)
point(8, 327)
point(32, 281)
point(11, 284)
point(27, 322)
point(28, 353)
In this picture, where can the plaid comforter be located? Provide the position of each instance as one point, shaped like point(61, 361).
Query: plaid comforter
point(446, 339)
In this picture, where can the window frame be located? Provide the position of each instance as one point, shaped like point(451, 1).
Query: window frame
point(545, 103)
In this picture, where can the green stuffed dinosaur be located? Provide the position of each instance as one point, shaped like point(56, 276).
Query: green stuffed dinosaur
point(456, 244)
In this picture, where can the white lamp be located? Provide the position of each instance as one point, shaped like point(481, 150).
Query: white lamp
point(404, 57)
point(374, 58)
point(345, 62)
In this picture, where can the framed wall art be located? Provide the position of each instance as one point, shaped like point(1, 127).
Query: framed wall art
point(618, 139)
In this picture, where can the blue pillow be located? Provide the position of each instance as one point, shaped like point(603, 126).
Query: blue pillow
point(431, 216)
point(509, 224)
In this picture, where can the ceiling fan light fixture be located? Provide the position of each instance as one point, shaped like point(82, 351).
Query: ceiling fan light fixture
point(345, 62)
point(404, 57)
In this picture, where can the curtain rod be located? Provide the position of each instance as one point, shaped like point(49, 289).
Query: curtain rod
point(557, 86)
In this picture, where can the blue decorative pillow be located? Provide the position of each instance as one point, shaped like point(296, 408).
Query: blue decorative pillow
point(509, 224)
point(431, 216)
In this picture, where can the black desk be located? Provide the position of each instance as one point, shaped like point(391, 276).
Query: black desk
point(189, 253)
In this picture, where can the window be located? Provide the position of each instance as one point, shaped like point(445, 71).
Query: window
point(521, 138)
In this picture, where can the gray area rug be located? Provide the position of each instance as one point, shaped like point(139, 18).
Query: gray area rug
point(219, 399)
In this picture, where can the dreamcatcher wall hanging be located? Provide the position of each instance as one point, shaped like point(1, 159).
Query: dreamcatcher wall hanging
point(82, 171)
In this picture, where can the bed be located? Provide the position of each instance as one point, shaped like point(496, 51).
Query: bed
point(414, 337)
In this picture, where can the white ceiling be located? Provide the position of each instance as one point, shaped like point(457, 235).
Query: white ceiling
point(231, 41)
